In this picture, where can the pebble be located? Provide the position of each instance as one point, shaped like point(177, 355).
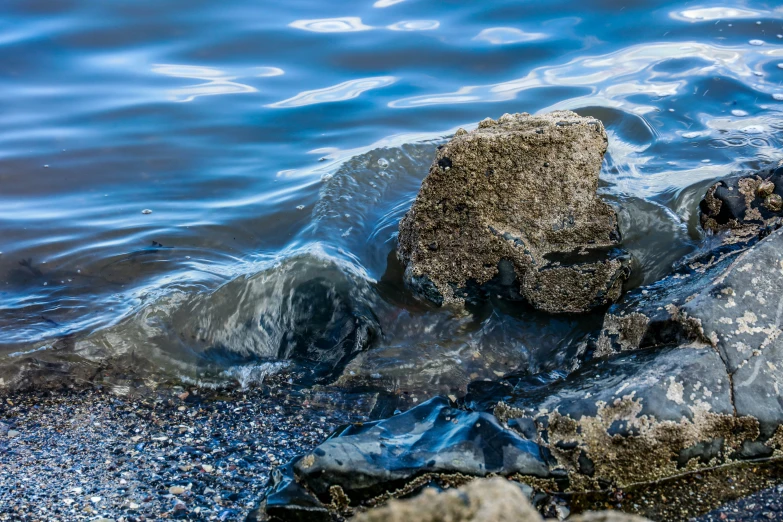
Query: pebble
point(89, 454)
point(12, 434)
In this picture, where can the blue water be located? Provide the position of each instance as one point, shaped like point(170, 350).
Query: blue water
point(259, 134)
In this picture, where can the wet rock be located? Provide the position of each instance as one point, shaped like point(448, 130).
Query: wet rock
point(490, 500)
point(730, 301)
point(363, 465)
point(511, 208)
point(635, 417)
point(744, 204)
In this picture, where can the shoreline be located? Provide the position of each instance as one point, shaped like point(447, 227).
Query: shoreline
point(190, 454)
point(172, 454)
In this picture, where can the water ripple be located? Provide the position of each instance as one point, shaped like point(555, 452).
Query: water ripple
point(331, 25)
point(217, 81)
point(340, 92)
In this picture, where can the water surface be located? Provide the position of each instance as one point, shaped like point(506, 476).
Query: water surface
point(171, 171)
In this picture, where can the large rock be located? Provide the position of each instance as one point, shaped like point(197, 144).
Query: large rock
point(634, 417)
point(729, 300)
point(514, 203)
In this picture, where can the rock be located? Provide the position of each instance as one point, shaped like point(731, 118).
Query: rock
point(744, 204)
point(731, 301)
point(511, 208)
point(489, 500)
point(362, 464)
point(11, 434)
point(635, 417)
point(176, 490)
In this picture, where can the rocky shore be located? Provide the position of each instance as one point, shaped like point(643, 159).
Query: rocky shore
point(669, 409)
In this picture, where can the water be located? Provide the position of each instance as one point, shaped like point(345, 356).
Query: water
point(172, 172)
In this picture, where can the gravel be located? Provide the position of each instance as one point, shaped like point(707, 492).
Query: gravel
point(93, 455)
point(763, 505)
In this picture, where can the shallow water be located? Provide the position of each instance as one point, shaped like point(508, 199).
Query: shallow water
point(271, 142)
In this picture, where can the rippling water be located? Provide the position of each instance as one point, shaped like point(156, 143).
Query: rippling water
point(171, 173)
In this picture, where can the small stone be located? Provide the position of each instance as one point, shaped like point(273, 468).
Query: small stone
point(13, 434)
point(765, 188)
point(176, 490)
point(773, 202)
point(207, 468)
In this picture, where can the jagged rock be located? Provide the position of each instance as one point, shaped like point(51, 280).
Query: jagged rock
point(511, 208)
point(730, 300)
point(490, 500)
point(362, 465)
point(634, 417)
point(744, 204)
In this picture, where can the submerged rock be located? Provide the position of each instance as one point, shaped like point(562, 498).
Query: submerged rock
point(514, 203)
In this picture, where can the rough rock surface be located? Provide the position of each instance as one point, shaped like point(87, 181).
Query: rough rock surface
point(744, 204)
point(731, 302)
point(514, 203)
point(490, 500)
point(686, 377)
point(483, 500)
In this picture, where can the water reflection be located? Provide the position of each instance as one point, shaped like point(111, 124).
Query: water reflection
point(380, 4)
point(507, 35)
point(349, 24)
point(217, 81)
point(708, 14)
point(415, 25)
point(340, 92)
point(613, 76)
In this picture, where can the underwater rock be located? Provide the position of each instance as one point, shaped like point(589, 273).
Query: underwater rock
point(488, 500)
point(513, 203)
point(744, 204)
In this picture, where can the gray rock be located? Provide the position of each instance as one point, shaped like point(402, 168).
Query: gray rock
point(731, 302)
point(511, 208)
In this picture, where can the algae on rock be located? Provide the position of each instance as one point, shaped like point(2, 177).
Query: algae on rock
point(514, 203)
